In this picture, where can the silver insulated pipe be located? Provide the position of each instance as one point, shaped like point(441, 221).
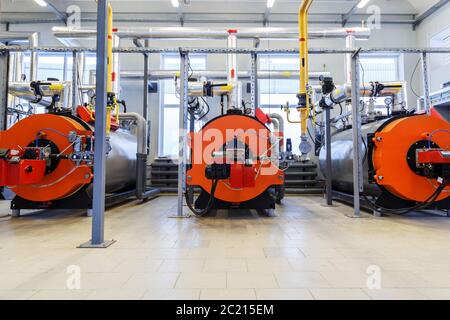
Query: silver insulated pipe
point(181, 33)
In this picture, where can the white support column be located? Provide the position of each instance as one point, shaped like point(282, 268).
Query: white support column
point(232, 70)
point(349, 44)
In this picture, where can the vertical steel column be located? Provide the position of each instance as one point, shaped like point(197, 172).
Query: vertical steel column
point(426, 83)
point(254, 82)
point(74, 81)
point(4, 78)
point(329, 181)
point(101, 147)
point(184, 77)
point(357, 136)
point(146, 78)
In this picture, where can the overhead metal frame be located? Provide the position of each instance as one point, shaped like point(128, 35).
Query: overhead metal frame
point(239, 18)
point(191, 50)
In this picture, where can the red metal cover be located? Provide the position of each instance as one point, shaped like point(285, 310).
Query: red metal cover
point(262, 117)
point(242, 176)
point(432, 156)
point(22, 173)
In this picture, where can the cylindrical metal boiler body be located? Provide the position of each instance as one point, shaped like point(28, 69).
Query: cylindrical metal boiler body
point(342, 159)
point(121, 162)
point(390, 150)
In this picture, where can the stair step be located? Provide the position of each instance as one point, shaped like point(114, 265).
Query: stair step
point(296, 191)
point(300, 174)
point(165, 181)
point(303, 165)
point(300, 182)
point(164, 165)
point(165, 173)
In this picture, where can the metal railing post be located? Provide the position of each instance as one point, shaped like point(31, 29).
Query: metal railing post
point(98, 215)
point(426, 83)
point(182, 156)
point(357, 136)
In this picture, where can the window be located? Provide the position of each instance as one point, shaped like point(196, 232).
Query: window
point(277, 92)
point(380, 68)
point(51, 65)
point(169, 103)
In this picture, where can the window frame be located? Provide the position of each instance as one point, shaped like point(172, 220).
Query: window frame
point(163, 105)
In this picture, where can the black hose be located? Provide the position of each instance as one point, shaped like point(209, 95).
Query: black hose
point(421, 206)
point(208, 208)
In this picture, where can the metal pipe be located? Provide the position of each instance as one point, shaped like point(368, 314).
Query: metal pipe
point(181, 33)
point(303, 104)
point(278, 126)
point(243, 75)
point(116, 66)
point(343, 92)
point(34, 43)
point(232, 69)
point(141, 129)
point(349, 44)
point(141, 153)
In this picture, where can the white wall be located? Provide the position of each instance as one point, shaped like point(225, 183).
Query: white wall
point(439, 71)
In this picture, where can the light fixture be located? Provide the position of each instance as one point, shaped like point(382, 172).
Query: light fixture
point(42, 3)
point(270, 4)
point(362, 4)
point(175, 3)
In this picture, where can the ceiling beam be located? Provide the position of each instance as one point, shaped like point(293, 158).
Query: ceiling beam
point(180, 14)
point(346, 17)
point(267, 16)
point(429, 12)
point(62, 16)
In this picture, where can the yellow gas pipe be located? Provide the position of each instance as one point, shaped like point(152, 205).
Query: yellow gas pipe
point(112, 99)
point(303, 42)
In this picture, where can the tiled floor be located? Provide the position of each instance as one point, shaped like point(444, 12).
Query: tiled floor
point(307, 252)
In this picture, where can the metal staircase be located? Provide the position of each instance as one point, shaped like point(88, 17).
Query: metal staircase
point(301, 178)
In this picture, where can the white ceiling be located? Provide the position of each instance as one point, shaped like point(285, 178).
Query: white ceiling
point(251, 11)
point(216, 6)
